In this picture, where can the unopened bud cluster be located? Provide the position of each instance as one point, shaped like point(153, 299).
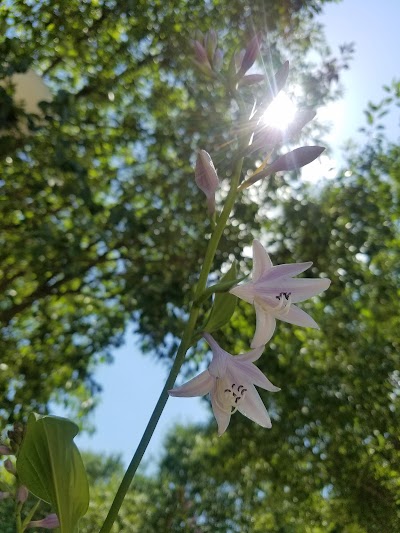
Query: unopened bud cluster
point(208, 57)
point(262, 137)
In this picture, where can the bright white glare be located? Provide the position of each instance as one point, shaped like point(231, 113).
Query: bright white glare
point(322, 168)
point(280, 113)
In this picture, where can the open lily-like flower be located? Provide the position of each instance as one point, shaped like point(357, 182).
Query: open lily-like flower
point(273, 291)
point(230, 381)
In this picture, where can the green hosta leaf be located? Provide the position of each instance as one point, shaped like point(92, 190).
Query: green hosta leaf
point(224, 305)
point(50, 465)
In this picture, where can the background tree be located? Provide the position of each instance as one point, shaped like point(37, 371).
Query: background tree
point(331, 460)
point(101, 222)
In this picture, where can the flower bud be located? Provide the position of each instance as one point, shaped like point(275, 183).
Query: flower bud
point(22, 494)
point(251, 79)
point(204, 68)
point(50, 522)
point(9, 466)
point(238, 58)
point(4, 495)
point(5, 450)
point(301, 118)
point(210, 43)
point(206, 178)
point(266, 139)
point(200, 53)
point(250, 55)
point(218, 59)
point(199, 36)
point(297, 158)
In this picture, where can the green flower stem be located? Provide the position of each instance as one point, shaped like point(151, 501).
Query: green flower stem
point(18, 521)
point(180, 356)
point(262, 167)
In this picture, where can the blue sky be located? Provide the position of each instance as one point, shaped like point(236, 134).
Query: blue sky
point(132, 384)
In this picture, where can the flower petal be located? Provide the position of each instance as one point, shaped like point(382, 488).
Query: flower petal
point(244, 292)
point(261, 260)
point(220, 360)
point(284, 271)
point(249, 373)
point(265, 327)
point(301, 289)
point(252, 407)
point(298, 317)
point(198, 386)
point(222, 416)
point(251, 356)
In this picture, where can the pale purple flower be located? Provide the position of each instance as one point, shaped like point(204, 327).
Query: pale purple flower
point(50, 522)
point(273, 291)
point(230, 381)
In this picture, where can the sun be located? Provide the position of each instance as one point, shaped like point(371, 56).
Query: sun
point(280, 113)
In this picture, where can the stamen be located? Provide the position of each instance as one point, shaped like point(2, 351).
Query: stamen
point(234, 397)
point(286, 309)
point(285, 301)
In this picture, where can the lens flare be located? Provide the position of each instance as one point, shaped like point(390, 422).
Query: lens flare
point(280, 113)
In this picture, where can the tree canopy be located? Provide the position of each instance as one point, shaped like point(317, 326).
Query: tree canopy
point(331, 460)
point(102, 225)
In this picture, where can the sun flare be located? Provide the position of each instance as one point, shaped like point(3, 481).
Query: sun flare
point(280, 113)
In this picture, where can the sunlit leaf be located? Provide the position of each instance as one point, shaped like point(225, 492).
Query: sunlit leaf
point(224, 305)
point(50, 465)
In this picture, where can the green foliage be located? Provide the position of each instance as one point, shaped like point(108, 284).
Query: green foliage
point(50, 465)
point(7, 516)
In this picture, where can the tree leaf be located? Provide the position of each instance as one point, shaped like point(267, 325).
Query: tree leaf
point(224, 305)
point(50, 465)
